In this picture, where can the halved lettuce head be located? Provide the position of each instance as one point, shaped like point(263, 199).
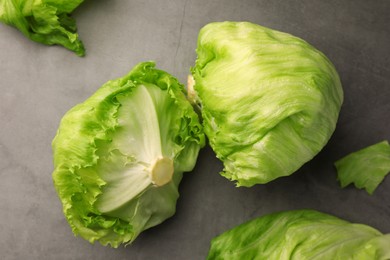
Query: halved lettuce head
point(365, 168)
point(44, 21)
point(270, 101)
point(120, 155)
point(300, 234)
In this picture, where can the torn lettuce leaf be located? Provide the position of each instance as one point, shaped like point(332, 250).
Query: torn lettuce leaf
point(300, 234)
point(120, 155)
point(269, 100)
point(45, 21)
point(365, 168)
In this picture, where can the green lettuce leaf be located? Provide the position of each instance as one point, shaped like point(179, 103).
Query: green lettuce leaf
point(269, 100)
point(300, 234)
point(365, 168)
point(44, 21)
point(120, 155)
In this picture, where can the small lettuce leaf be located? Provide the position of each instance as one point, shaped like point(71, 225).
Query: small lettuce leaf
point(365, 168)
point(300, 234)
point(269, 100)
point(44, 21)
point(120, 155)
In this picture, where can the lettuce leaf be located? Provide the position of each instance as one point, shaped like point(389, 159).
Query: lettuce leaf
point(44, 21)
point(365, 168)
point(300, 234)
point(120, 155)
point(269, 100)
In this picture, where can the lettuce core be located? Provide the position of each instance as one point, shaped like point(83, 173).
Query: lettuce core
point(162, 171)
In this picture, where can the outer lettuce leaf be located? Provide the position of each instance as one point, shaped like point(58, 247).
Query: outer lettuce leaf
point(44, 21)
point(107, 148)
point(301, 234)
point(269, 100)
point(365, 168)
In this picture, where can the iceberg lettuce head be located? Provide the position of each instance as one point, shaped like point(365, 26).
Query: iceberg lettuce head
point(120, 155)
point(300, 234)
point(270, 101)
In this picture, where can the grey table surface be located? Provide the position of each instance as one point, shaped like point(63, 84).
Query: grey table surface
point(38, 84)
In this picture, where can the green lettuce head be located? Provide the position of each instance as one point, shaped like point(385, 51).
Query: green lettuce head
point(300, 234)
point(120, 155)
point(44, 21)
point(269, 100)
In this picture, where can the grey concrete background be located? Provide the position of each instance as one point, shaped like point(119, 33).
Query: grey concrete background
point(38, 84)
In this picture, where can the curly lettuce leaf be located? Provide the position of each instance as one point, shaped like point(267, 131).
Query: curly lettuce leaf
point(365, 168)
point(120, 155)
point(300, 234)
point(270, 101)
point(44, 21)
